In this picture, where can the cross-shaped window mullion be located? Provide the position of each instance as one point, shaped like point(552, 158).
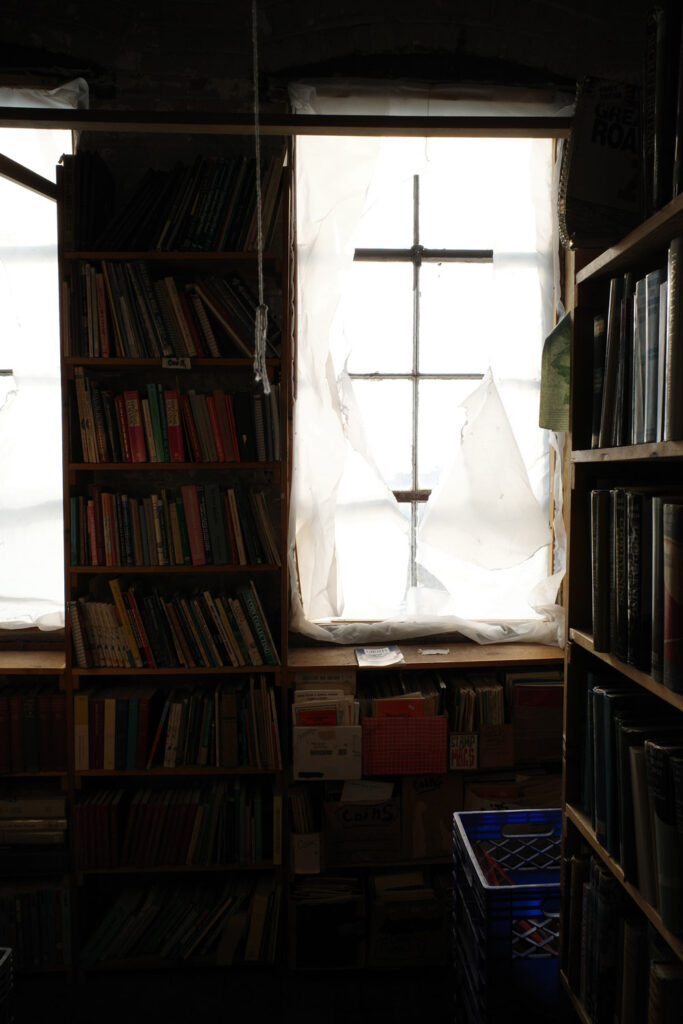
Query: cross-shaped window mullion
point(418, 254)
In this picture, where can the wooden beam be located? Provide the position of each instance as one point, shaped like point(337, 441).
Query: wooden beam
point(13, 171)
point(285, 124)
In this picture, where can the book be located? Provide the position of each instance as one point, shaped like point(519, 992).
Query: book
point(672, 627)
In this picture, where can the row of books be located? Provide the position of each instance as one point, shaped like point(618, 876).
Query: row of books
point(616, 962)
point(635, 567)
point(324, 707)
point(122, 309)
point(475, 701)
point(227, 822)
point(32, 728)
point(32, 818)
point(637, 361)
point(148, 630)
point(195, 525)
point(209, 922)
point(208, 206)
point(633, 789)
point(414, 694)
point(35, 922)
point(229, 725)
point(166, 425)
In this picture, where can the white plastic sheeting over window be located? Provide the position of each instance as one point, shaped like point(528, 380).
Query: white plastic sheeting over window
point(31, 529)
point(484, 536)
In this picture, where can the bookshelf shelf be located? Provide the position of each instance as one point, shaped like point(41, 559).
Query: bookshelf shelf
point(179, 772)
point(188, 672)
point(176, 467)
point(181, 869)
point(629, 453)
point(197, 259)
point(196, 362)
point(458, 655)
point(582, 824)
point(585, 640)
point(169, 570)
point(651, 235)
point(32, 662)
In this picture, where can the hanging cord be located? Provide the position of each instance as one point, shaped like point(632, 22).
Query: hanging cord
point(261, 325)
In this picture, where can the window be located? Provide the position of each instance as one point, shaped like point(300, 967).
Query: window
point(31, 531)
point(421, 478)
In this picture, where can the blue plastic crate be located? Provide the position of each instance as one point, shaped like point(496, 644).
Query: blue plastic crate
point(506, 867)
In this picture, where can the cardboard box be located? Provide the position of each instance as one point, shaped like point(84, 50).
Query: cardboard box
point(361, 833)
point(306, 853)
point(327, 752)
point(405, 746)
point(537, 721)
point(405, 932)
point(428, 803)
point(496, 746)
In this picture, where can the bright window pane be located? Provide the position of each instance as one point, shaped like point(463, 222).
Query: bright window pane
point(386, 410)
point(378, 317)
point(439, 425)
point(455, 321)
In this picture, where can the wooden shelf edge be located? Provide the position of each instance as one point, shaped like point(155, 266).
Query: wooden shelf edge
point(174, 869)
point(585, 640)
point(582, 824)
point(116, 570)
point(16, 662)
point(220, 670)
point(629, 453)
point(459, 655)
point(158, 772)
point(656, 231)
point(576, 1003)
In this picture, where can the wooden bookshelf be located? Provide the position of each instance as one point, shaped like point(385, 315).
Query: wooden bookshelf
point(445, 654)
point(652, 467)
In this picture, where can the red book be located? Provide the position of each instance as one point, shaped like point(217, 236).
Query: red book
point(316, 716)
point(95, 555)
point(190, 428)
point(176, 447)
point(58, 730)
point(233, 428)
point(122, 423)
point(215, 428)
point(136, 430)
point(399, 707)
point(45, 757)
point(16, 714)
point(221, 410)
point(194, 523)
point(5, 763)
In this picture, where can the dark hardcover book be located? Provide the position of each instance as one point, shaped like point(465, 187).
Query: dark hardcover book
point(672, 638)
point(606, 437)
point(621, 432)
point(673, 376)
point(599, 337)
point(638, 578)
point(618, 574)
point(667, 854)
point(600, 568)
point(653, 280)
